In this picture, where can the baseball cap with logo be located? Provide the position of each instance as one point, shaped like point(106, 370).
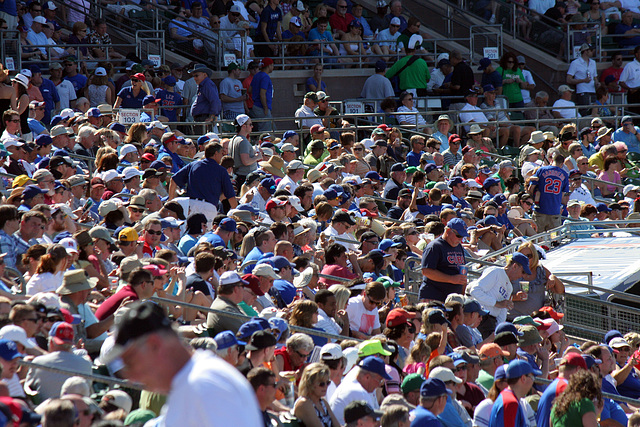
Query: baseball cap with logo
point(62, 333)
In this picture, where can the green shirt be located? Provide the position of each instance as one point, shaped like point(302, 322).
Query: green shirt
point(247, 309)
point(573, 417)
point(415, 76)
point(485, 379)
point(511, 90)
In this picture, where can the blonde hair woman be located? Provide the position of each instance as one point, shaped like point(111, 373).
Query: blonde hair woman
point(540, 280)
point(342, 294)
point(312, 407)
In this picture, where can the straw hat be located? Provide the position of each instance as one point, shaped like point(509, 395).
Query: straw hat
point(76, 281)
point(274, 166)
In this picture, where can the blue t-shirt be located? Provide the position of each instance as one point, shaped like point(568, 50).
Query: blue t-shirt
point(261, 81)
point(312, 81)
point(286, 35)
point(543, 415)
point(254, 255)
point(78, 81)
point(628, 138)
point(450, 416)
point(9, 7)
point(181, 29)
point(130, 101)
point(631, 386)
point(440, 255)
point(413, 158)
point(35, 126)
point(552, 183)
point(50, 97)
point(169, 99)
point(205, 179)
point(494, 78)
point(271, 18)
point(422, 417)
point(507, 412)
point(314, 34)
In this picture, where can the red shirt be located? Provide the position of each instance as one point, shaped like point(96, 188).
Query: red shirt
point(338, 271)
point(615, 72)
point(111, 304)
point(246, 83)
point(340, 22)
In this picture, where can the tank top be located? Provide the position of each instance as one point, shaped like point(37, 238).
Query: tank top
point(285, 356)
point(97, 95)
point(323, 416)
point(24, 124)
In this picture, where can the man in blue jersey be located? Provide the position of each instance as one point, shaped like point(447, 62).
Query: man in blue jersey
point(441, 263)
point(550, 187)
point(433, 399)
point(569, 365)
point(506, 411)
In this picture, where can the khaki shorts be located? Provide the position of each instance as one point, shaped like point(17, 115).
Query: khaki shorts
point(546, 222)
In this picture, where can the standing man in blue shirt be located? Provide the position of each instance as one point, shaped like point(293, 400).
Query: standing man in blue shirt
point(205, 181)
point(207, 106)
point(550, 187)
point(262, 93)
point(48, 91)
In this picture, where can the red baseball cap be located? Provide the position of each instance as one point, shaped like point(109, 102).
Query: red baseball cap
point(274, 203)
point(148, 156)
point(254, 284)
point(139, 76)
point(574, 359)
point(155, 270)
point(554, 314)
point(385, 127)
point(62, 333)
point(398, 316)
point(266, 62)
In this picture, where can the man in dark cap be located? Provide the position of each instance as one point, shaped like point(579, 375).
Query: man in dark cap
point(224, 396)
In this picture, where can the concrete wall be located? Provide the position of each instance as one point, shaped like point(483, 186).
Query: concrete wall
point(289, 88)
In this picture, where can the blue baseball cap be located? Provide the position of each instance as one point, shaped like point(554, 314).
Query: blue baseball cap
point(436, 317)
point(289, 134)
point(280, 324)
point(149, 99)
point(118, 127)
point(32, 191)
point(376, 365)
point(501, 373)
point(473, 306)
point(9, 350)
point(430, 168)
point(56, 119)
point(433, 387)
point(398, 167)
point(330, 194)
point(508, 327)
point(280, 262)
point(35, 69)
point(43, 140)
point(590, 360)
point(248, 329)
point(457, 358)
point(602, 207)
point(488, 88)
point(158, 164)
point(483, 64)
point(373, 175)
point(385, 244)
point(522, 259)
point(458, 225)
point(500, 198)
point(269, 184)
point(247, 207)
point(93, 112)
point(490, 182)
point(170, 81)
point(490, 220)
point(518, 368)
point(228, 224)
point(485, 170)
point(264, 323)
point(611, 335)
point(226, 339)
point(456, 180)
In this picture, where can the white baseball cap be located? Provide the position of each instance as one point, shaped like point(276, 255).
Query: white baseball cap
point(130, 172)
point(126, 149)
point(17, 334)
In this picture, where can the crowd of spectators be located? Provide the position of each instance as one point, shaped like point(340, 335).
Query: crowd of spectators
point(251, 277)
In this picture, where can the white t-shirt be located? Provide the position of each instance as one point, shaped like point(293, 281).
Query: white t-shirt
point(66, 92)
point(361, 319)
point(566, 113)
point(526, 95)
point(579, 69)
point(44, 282)
point(469, 113)
point(482, 413)
point(528, 167)
point(207, 391)
point(348, 391)
point(331, 232)
point(492, 287)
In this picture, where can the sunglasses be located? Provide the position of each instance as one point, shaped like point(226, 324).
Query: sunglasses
point(376, 303)
point(154, 233)
point(136, 210)
point(324, 383)
point(134, 80)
